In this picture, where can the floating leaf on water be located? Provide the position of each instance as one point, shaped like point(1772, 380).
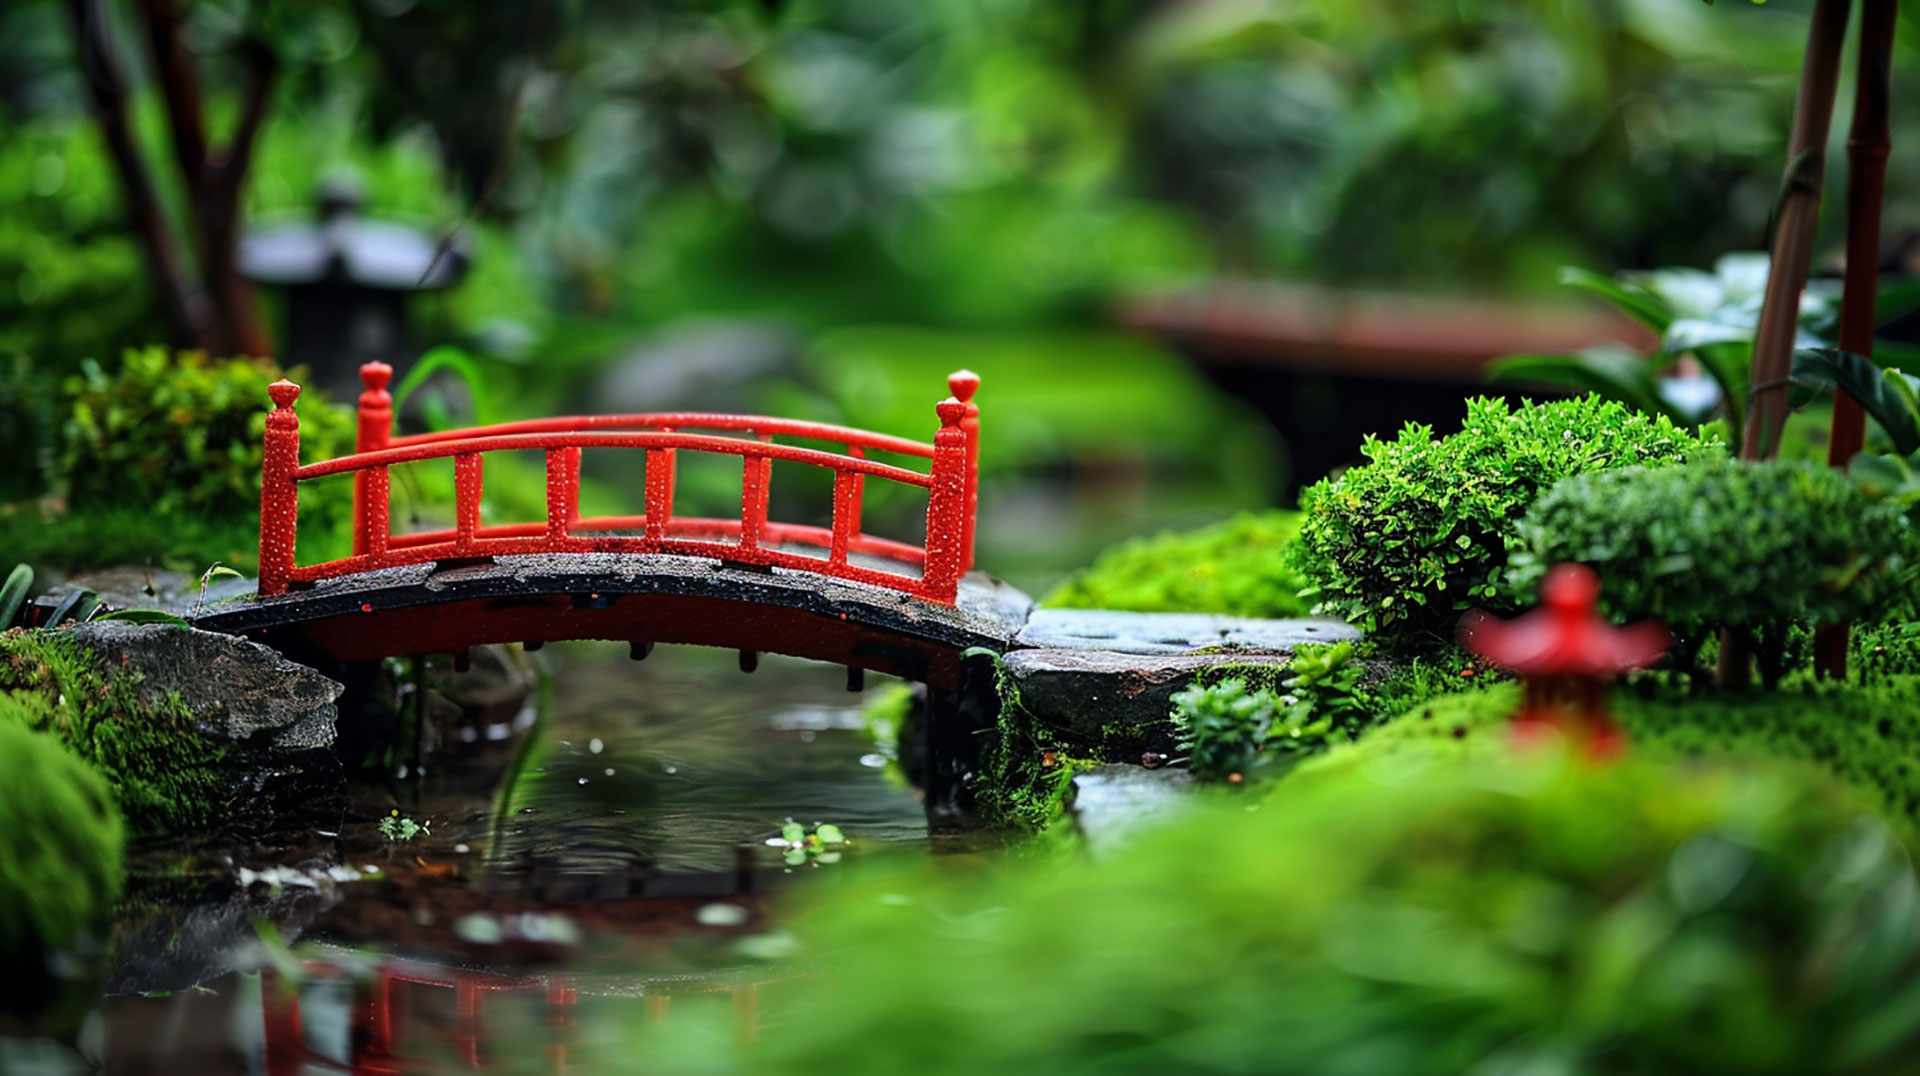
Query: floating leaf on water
point(829, 834)
point(793, 832)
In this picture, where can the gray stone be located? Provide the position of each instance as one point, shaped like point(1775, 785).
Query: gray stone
point(1120, 701)
point(241, 692)
point(1111, 803)
point(1173, 633)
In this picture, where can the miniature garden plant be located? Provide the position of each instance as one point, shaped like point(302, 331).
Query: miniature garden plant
point(799, 846)
point(396, 827)
point(1756, 548)
point(1418, 534)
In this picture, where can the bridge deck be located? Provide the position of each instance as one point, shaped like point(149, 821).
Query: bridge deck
point(639, 598)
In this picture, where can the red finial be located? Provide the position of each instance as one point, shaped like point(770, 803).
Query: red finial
point(963, 384)
point(951, 411)
point(1565, 652)
point(375, 375)
point(284, 392)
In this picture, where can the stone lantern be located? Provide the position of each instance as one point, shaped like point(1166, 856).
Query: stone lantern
point(1565, 653)
point(348, 282)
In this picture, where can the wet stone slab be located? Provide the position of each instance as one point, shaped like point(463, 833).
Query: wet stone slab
point(1172, 633)
point(1112, 803)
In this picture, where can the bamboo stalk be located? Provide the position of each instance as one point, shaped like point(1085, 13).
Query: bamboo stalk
point(1868, 144)
point(1793, 235)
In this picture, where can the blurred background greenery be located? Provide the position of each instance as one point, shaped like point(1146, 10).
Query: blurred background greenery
point(819, 207)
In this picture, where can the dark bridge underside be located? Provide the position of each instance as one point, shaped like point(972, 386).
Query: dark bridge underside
point(429, 609)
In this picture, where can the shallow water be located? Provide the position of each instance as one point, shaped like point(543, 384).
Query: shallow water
point(583, 867)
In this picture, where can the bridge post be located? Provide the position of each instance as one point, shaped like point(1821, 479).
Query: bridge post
point(947, 505)
point(963, 384)
point(370, 487)
point(279, 489)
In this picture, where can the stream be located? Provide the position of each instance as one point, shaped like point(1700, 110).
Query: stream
point(623, 868)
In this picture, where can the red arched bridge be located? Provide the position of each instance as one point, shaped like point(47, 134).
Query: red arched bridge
point(746, 582)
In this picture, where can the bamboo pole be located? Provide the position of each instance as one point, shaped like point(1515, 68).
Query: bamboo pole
point(1796, 220)
point(1868, 144)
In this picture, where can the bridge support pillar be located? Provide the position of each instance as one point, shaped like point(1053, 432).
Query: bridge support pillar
point(959, 722)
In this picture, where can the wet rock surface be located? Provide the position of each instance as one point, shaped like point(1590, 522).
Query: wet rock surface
point(241, 692)
point(1117, 700)
point(1173, 633)
point(1113, 802)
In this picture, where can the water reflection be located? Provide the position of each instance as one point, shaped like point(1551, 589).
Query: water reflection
point(616, 848)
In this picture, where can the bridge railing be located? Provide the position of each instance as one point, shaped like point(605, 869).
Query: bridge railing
point(951, 481)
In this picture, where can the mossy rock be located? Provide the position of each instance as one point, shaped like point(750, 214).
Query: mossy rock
point(164, 772)
point(61, 865)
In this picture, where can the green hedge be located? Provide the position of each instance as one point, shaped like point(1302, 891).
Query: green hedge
point(1754, 547)
point(1419, 533)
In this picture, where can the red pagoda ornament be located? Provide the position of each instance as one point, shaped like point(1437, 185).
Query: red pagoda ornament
point(1565, 653)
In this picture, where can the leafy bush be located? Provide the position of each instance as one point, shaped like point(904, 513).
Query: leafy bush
point(176, 440)
point(60, 869)
point(1419, 533)
point(164, 772)
point(1238, 720)
point(1503, 916)
point(1754, 547)
point(1241, 567)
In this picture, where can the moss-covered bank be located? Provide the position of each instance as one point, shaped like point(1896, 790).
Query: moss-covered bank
point(1867, 735)
point(164, 773)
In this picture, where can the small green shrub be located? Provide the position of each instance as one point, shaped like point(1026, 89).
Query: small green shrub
point(1419, 533)
point(1242, 567)
point(177, 439)
point(61, 862)
point(1753, 547)
point(1502, 916)
point(166, 775)
point(1238, 726)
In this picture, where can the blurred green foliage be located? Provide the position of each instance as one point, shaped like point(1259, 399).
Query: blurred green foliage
point(1242, 566)
point(1383, 916)
point(1418, 533)
point(1859, 732)
point(1716, 544)
point(165, 774)
point(61, 869)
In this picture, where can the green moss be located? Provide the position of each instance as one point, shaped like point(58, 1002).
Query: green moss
point(165, 774)
point(1865, 734)
point(1027, 766)
point(60, 868)
point(1241, 567)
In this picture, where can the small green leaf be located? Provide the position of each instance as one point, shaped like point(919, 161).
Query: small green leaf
point(830, 834)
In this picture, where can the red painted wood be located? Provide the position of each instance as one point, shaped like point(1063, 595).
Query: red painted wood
point(963, 384)
point(279, 495)
point(468, 484)
point(951, 482)
point(660, 467)
point(375, 430)
point(563, 492)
